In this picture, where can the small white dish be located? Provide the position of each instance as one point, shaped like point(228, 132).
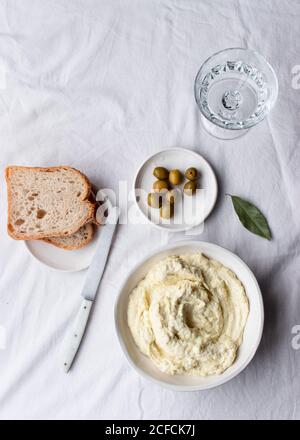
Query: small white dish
point(70, 260)
point(185, 217)
point(252, 334)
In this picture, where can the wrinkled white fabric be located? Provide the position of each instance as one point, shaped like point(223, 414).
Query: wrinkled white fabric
point(99, 85)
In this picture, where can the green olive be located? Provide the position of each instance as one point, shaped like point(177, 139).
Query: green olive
point(171, 196)
point(191, 174)
point(161, 173)
point(154, 200)
point(167, 210)
point(190, 188)
point(175, 177)
point(159, 185)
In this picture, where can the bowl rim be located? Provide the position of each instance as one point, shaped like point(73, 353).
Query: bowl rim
point(259, 56)
point(184, 228)
point(189, 388)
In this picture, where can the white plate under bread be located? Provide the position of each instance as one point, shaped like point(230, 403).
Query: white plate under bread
point(61, 259)
point(69, 260)
point(52, 210)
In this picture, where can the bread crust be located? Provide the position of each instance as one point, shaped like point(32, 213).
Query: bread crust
point(92, 199)
point(84, 198)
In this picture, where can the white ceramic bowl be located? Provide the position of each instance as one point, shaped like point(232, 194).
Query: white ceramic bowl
point(252, 333)
point(185, 216)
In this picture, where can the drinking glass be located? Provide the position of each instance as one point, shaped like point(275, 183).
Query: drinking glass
point(235, 89)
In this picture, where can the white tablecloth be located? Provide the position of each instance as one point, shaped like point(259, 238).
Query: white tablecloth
point(99, 85)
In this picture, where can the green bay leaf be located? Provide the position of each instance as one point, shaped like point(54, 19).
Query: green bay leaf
point(251, 217)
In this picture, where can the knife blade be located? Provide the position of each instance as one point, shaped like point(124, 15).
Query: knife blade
point(90, 288)
point(97, 266)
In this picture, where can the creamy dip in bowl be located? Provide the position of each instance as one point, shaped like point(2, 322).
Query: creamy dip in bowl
point(188, 315)
point(155, 331)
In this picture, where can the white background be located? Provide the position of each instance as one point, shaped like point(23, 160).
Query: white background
point(99, 85)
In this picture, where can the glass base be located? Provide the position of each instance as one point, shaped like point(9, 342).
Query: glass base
point(222, 133)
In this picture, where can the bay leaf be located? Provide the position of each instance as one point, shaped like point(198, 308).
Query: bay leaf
point(251, 217)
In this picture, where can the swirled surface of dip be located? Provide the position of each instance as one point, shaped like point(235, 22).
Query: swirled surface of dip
point(188, 315)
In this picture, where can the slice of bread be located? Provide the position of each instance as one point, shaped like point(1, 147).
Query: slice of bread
point(80, 238)
point(47, 202)
point(75, 241)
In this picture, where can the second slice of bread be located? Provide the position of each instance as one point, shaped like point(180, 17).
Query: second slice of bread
point(47, 202)
point(77, 240)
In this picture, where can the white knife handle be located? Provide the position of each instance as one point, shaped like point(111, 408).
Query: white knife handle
point(74, 339)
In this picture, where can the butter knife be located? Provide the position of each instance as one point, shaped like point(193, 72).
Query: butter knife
point(90, 288)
